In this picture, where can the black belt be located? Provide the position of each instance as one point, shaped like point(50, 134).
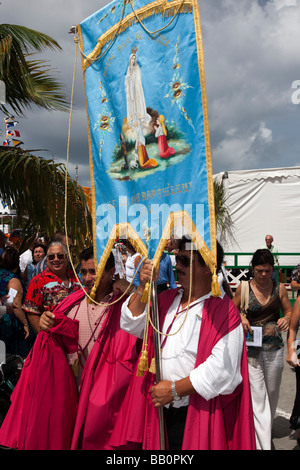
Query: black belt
point(174, 411)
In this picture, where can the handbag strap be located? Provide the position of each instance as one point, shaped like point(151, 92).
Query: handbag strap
point(244, 297)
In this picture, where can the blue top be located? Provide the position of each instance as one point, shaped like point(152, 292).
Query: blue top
point(166, 273)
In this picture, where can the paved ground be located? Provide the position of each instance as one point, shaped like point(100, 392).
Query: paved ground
point(285, 438)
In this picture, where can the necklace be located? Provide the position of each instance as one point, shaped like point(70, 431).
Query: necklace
point(262, 288)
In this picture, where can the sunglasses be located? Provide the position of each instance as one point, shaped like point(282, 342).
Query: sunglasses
point(183, 260)
point(57, 255)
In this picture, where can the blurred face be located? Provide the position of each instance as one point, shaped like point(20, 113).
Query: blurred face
point(38, 254)
point(57, 260)
point(88, 274)
point(133, 60)
point(269, 241)
point(183, 268)
point(263, 272)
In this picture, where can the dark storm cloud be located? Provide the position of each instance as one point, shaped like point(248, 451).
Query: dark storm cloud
point(251, 60)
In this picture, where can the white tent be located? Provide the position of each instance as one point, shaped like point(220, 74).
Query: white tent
point(5, 212)
point(5, 209)
point(263, 202)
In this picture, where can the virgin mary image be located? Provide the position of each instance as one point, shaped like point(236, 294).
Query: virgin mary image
point(136, 108)
point(137, 116)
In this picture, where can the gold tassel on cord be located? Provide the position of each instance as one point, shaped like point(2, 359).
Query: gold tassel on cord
point(145, 295)
point(143, 364)
point(152, 367)
point(215, 288)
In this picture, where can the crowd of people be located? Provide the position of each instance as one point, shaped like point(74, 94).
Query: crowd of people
point(81, 387)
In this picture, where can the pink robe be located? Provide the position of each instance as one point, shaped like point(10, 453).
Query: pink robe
point(164, 150)
point(104, 383)
point(224, 422)
point(44, 402)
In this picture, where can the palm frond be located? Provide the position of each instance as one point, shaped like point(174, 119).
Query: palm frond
point(29, 38)
point(35, 187)
point(224, 221)
point(28, 81)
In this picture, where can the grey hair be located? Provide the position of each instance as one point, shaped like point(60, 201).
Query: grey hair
point(60, 244)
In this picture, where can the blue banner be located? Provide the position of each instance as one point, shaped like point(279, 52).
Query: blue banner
point(147, 120)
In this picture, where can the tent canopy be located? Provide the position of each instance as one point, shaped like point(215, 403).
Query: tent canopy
point(261, 202)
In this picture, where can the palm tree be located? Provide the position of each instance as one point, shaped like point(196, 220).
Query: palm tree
point(224, 223)
point(27, 81)
point(35, 187)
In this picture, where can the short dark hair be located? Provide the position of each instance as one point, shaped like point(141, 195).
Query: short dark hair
point(220, 252)
point(262, 256)
point(10, 258)
point(58, 237)
point(40, 245)
point(110, 263)
point(88, 253)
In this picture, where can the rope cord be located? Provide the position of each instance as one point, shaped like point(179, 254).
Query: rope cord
point(188, 305)
point(111, 42)
point(153, 33)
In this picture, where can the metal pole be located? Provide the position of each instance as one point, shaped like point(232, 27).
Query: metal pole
point(157, 363)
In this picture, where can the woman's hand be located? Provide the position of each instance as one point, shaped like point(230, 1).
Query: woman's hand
point(246, 325)
point(26, 330)
point(292, 359)
point(283, 323)
point(47, 320)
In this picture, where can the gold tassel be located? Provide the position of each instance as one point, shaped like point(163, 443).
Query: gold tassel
point(75, 367)
point(145, 295)
point(143, 364)
point(152, 367)
point(215, 288)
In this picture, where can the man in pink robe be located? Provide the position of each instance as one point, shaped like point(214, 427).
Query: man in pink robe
point(205, 386)
point(107, 356)
point(104, 382)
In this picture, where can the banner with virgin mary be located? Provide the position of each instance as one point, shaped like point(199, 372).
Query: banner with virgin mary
point(147, 121)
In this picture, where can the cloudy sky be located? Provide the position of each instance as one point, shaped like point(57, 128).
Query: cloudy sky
point(252, 62)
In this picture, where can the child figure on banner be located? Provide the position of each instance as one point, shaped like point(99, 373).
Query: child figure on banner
point(161, 132)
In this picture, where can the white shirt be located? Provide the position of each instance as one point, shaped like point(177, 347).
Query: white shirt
point(129, 266)
point(219, 374)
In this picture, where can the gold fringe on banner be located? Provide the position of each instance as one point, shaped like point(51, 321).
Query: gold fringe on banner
point(166, 9)
point(122, 230)
point(207, 254)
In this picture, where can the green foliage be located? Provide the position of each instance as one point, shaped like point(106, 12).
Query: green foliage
point(27, 81)
point(223, 218)
point(36, 189)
